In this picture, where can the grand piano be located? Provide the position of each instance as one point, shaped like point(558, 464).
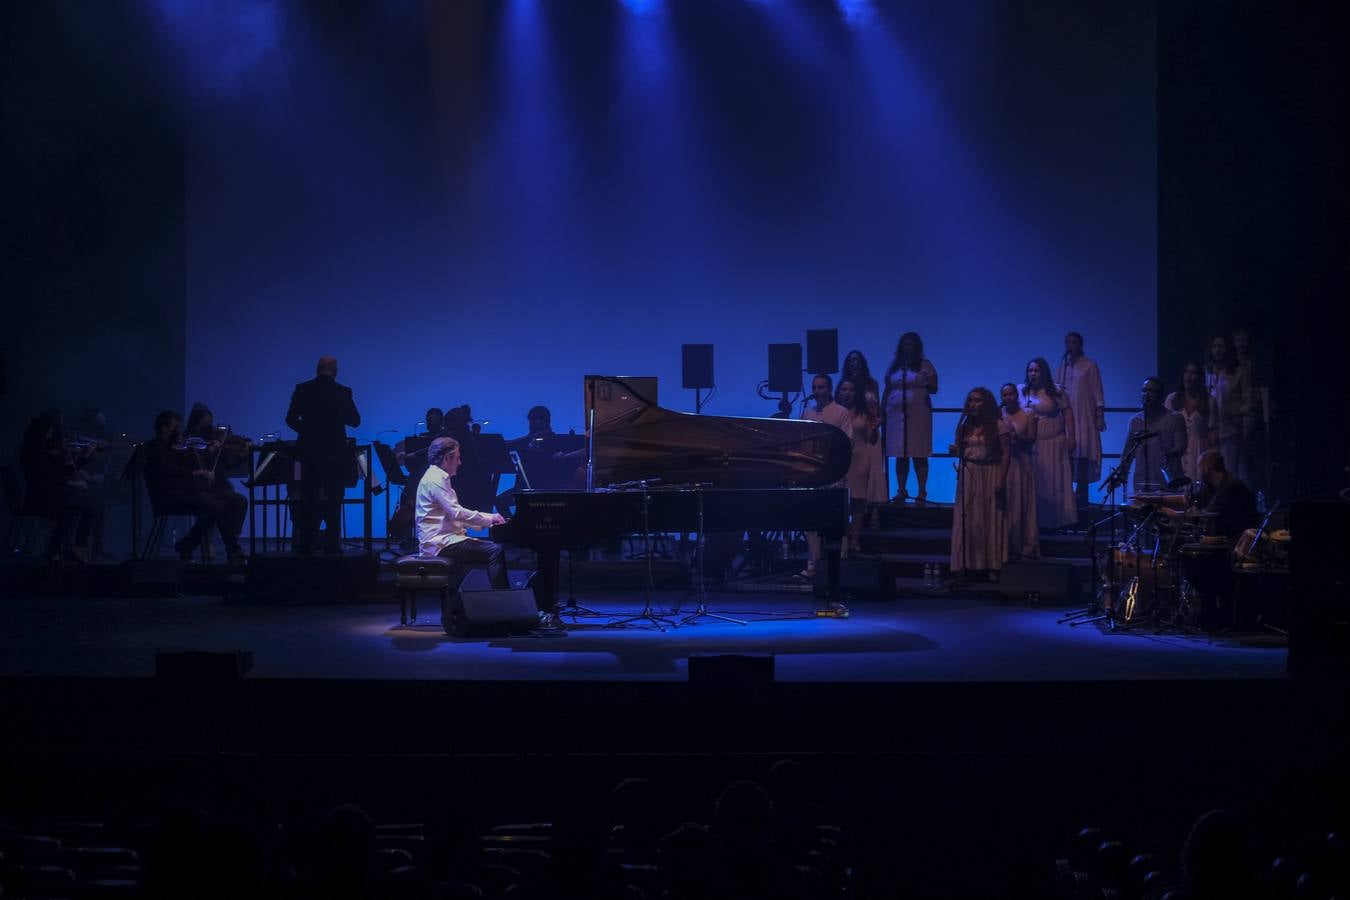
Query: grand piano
point(650, 469)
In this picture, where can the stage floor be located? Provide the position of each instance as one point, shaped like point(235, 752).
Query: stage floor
point(917, 638)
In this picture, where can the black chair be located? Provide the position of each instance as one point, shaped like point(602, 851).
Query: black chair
point(155, 537)
point(25, 526)
point(413, 574)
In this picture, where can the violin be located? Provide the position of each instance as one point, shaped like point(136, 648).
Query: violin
point(91, 445)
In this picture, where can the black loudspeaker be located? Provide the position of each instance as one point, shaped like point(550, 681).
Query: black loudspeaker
point(1039, 582)
point(866, 579)
point(730, 671)
point(785, 368)
point(696, 365)
point(469, 613)
point(202, 665)
point(822, 351)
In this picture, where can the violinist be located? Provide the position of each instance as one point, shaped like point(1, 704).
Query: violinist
point(220, 451)
point(92, 434)
point(180, 483)
point(51, 468)
point(412, 453)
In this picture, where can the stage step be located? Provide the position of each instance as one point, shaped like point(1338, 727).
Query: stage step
point(911, 565)
point(895, 515)
point(938, 542)
point(939, 515)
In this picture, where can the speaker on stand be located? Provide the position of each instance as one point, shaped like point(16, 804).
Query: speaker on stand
point(822, 351)
point(696, 368)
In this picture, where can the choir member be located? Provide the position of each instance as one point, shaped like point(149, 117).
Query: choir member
point(910, 383)
point(1081, 380)
point(1023, 539)
point(979, 518)
point(1055, 503)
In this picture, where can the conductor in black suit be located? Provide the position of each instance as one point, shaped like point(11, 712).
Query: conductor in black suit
point(320, 411)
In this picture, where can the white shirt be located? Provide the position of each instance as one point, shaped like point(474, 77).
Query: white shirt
point(834, 414)
point(441, 521)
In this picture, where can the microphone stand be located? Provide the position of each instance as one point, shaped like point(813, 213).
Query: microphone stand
point(590, 441)
point(962, 487)
point(904, 418)
point(647, 615)
point(1115, 480)
point(699, 547)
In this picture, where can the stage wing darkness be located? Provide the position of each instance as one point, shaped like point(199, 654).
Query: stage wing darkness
point(637, 440)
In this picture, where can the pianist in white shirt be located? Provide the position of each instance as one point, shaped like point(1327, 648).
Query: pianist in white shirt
point(442, 524)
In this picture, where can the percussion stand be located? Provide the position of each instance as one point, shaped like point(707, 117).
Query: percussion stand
point(1099, 582)
point(1115, 480)
point(1172, 587)
point(648, 615)
point(1115, 617)
point(1123, 618)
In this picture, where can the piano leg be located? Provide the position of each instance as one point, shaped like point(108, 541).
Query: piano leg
point(832, 548)
point(834, 597)
point(545, 584)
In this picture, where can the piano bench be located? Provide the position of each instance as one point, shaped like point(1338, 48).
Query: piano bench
point(424, 573)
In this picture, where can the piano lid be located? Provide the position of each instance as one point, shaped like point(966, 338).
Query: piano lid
point(636, 439)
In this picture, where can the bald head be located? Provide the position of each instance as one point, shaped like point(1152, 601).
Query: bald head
point(327, 366)
point(1212, 468)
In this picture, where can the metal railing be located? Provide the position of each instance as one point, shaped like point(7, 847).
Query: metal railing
point(1110, 410)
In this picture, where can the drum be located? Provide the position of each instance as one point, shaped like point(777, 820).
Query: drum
point(1206, 582)
point(1277, 554)
point(1246, 543)
point(1255, 551)
point(1142, 581)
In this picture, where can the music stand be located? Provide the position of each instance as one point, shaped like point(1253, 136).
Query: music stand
point(131, 474)
point(393, 474)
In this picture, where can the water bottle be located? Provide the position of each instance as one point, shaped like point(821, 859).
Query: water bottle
point(927, 574)
point(1261, 502)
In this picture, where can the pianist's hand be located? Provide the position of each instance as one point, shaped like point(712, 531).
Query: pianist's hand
point(498, 519)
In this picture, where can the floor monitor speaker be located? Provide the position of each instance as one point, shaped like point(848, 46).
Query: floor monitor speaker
point(475, 613)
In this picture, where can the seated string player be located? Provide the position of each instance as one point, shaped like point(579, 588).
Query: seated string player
point(179, 483)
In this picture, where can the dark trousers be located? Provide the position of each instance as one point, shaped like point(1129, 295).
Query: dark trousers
point(322, 488)
point(225, 511)
point(473, 552)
